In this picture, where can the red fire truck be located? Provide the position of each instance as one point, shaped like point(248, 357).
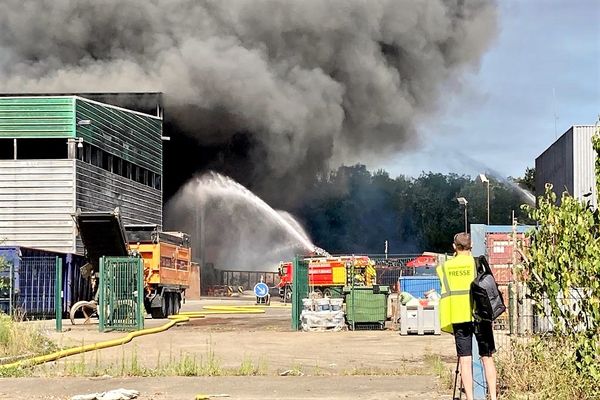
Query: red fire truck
point(328, 275)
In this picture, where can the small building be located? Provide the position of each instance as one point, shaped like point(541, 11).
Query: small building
point(568, 164)
point(60, 153)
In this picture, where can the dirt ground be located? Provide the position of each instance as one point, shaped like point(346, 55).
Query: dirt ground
point(334, 365)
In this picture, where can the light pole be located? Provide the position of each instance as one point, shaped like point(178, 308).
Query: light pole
point(463, 202)
point(484, 179)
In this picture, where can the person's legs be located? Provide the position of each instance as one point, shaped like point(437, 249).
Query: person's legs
point(484, 334)
point(466, 375)
point(463, 337)
point(489, 368)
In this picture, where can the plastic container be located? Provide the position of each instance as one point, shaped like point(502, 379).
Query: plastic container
point(419, 319)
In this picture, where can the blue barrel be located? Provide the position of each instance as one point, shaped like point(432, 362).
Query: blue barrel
point(418, 285)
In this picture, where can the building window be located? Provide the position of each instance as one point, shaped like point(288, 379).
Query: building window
point(109, 162)
point(37, 149)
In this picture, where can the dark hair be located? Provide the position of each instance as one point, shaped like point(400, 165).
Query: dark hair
point(462, 241)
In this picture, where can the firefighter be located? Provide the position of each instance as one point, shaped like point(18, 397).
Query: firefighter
point(456, 315)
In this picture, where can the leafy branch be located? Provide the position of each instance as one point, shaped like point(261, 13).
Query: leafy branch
point(564, 263)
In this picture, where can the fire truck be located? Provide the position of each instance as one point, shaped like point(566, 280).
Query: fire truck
point(328, 275)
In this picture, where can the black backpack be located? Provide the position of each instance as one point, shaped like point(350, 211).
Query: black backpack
point(488, 303)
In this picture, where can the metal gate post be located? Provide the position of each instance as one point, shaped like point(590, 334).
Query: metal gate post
point(101, 300)
point(140, 294)
point(11, 289)
point(58, 294)
point(295, 297)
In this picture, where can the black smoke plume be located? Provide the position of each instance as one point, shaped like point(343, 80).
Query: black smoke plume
point(271, 92)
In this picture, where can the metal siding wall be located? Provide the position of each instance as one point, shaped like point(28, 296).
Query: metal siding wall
point(37, 117)
point(584, 158)
point(100, 190)
point(36, 203)
point(555, 166)
point(131, 136)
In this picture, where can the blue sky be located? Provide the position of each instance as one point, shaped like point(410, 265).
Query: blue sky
point(503, 117)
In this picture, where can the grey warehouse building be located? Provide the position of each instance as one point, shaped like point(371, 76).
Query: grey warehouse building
point(60, 153)
point(568, 164)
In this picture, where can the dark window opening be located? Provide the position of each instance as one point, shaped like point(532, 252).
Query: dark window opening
point(98, 157)
point(81, 152)
point(128, 168)
point(6, 149)
point(42, 149)
point(117, 165)
point(106, 161)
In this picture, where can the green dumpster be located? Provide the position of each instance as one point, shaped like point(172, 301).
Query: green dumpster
point(366, 306)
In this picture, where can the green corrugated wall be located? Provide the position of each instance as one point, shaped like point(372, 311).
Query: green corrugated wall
point(131, 136)
point(37, 117)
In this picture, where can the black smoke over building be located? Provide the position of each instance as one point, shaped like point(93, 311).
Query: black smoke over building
point(269, 92)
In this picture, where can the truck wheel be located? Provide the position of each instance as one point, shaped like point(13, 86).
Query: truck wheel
point(175, 304)
point(168, 304)
point(160, 312)
point(287, 297)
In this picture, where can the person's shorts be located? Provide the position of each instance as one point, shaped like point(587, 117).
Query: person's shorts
point(463, 337)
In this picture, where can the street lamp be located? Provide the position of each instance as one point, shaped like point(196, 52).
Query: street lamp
point(463, 202)
point(484, 179)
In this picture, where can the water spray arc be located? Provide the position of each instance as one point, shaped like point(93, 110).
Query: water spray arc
point(238, 226)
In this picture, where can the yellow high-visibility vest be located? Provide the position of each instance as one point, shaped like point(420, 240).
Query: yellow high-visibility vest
point(456, 276)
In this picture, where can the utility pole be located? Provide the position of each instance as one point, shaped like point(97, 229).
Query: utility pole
point(514, 291)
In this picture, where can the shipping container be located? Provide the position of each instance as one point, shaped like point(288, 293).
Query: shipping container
point(499, 247)
point(502, 274)
point(501, 233)
point(568, 164)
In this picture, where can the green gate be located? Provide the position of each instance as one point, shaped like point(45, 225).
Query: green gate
point(121, 294)
point(299, 290)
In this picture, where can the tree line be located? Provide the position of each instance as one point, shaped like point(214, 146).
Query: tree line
point(353, 210)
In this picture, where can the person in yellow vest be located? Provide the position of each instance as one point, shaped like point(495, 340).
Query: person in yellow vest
point(456, 315)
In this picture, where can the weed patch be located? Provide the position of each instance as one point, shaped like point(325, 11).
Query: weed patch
point(542, 369)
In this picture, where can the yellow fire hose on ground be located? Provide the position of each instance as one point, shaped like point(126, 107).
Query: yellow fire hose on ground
point(174, 320)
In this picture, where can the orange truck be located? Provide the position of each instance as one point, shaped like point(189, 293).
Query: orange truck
point(167, 262)
point(328, 275)
point(167, 258)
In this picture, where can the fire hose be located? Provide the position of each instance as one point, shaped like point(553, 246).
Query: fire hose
point(174, 320)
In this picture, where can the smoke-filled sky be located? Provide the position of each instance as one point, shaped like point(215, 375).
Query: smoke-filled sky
point(544, 62)
point(310, 83)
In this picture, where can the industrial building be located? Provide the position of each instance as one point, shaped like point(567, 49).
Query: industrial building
point(568, 164)
point(61, 153)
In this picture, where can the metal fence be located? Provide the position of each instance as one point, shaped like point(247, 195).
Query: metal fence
point(6, 286)
point(218, 282)
point(121, 294)
point(28, 285)
point(37, 285)
point(28, 282)
point(391, 267)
